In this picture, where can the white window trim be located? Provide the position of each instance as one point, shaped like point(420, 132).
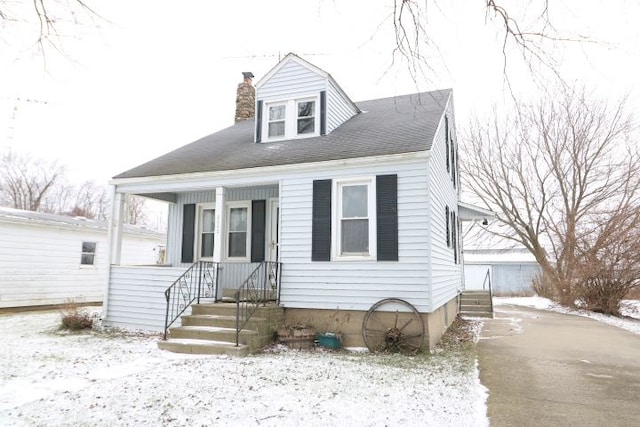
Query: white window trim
point(267, 121)
point(94, 253)
point(198, 241)
point(241, 204)
point(291, 118)
point(336, 231)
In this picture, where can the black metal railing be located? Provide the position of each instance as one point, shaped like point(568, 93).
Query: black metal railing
point(262, 285)
point(487, 279)
point(199, 281)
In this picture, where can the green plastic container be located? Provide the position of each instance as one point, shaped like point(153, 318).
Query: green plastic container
point(329, 340)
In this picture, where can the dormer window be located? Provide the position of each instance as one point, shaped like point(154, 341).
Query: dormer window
point(306, 117)
point(277, 114)
point(293, 118)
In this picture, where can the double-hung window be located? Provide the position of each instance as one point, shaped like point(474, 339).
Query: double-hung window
point(355, 219)
point(277, 120)
point(206, 239)
point(88, 253)
point(306, 120)
point(238, 220)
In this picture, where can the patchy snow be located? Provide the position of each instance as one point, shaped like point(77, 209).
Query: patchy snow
point(628, 308)
point(108, 378)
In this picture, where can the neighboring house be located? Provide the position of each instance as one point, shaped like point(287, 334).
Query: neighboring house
point(357, 201)
point(48, 259)
point(511, 271)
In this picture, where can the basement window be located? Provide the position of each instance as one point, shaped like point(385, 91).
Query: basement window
point(88, 253)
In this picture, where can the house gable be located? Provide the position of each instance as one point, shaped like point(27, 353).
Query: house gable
point(299, 100)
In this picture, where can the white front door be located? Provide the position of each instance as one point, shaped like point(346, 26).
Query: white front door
point(273, 232)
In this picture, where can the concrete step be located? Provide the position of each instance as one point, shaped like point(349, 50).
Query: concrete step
point(476, 314)
point(222, 321)
point(195, 346)
point(211, 333)
point(475, 301)
point(475, 307)
point(230, 294)
point(229, 309)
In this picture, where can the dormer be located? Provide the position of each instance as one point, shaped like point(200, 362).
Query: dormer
point(297, 100)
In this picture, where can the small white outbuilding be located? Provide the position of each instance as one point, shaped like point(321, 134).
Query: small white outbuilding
point(48, 259)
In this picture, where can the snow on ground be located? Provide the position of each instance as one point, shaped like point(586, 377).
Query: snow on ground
point(628, 308)
point(108, 378)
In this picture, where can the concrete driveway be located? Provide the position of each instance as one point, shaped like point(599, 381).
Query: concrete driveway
point(550, 369)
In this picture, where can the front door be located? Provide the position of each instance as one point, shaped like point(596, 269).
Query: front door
point(274, 232)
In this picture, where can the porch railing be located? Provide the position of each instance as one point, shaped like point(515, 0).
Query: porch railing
point(199, 281)
point(262, 285)
point(487, 279)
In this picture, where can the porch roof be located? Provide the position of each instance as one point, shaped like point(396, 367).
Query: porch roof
point(387, 126)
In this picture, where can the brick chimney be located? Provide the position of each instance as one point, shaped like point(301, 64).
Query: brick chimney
point(245, 99)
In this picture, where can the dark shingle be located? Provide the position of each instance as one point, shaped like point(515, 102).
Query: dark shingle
point(401, 124)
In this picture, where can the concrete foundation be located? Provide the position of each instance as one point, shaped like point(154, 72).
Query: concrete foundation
point(348, 323)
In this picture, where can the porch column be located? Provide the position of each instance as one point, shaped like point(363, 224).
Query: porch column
point(115, 228)
point(114, 240)
point(219, 240)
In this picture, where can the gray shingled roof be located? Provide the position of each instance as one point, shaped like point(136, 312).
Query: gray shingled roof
point(401, 124)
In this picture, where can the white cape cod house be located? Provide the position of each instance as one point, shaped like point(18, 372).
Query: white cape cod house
point(344, 204)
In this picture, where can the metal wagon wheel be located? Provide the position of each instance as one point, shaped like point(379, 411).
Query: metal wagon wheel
point(393, 325)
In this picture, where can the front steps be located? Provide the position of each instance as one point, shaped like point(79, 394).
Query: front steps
point(211, 329)
point(476, 304)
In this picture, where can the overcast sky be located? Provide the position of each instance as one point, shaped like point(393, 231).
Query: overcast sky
point(155, 75)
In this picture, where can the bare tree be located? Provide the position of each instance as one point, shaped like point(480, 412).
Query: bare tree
point(135, 210)
point(528, 30)
point(561, 174)
point(91, 201)
point(25, 181)
point(47, 20)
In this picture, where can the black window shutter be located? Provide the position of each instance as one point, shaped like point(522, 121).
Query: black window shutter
point(387, 217)
point(259, 122)
point(446, 137)
point(258, 225)
point(188, 231)
point(321, 222)
point(455, 238)
point(446, 215)
point(323, 112)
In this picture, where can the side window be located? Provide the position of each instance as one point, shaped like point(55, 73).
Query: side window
point(238, 232)
point(88, 255)
point(207, 227)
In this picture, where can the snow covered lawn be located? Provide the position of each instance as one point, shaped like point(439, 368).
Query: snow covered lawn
point(107, 378)
point(629, 308)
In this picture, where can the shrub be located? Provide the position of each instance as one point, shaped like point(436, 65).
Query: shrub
point(75, 319)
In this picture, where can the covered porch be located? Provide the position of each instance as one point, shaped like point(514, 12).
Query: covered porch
point(219, 239)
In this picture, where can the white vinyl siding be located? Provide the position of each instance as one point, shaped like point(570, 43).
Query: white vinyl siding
point(291, 81)
point(136, 296)
point(446, 275)
point(339, 110)
point(355, 285)
point(41, 264)
point(295, 81)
